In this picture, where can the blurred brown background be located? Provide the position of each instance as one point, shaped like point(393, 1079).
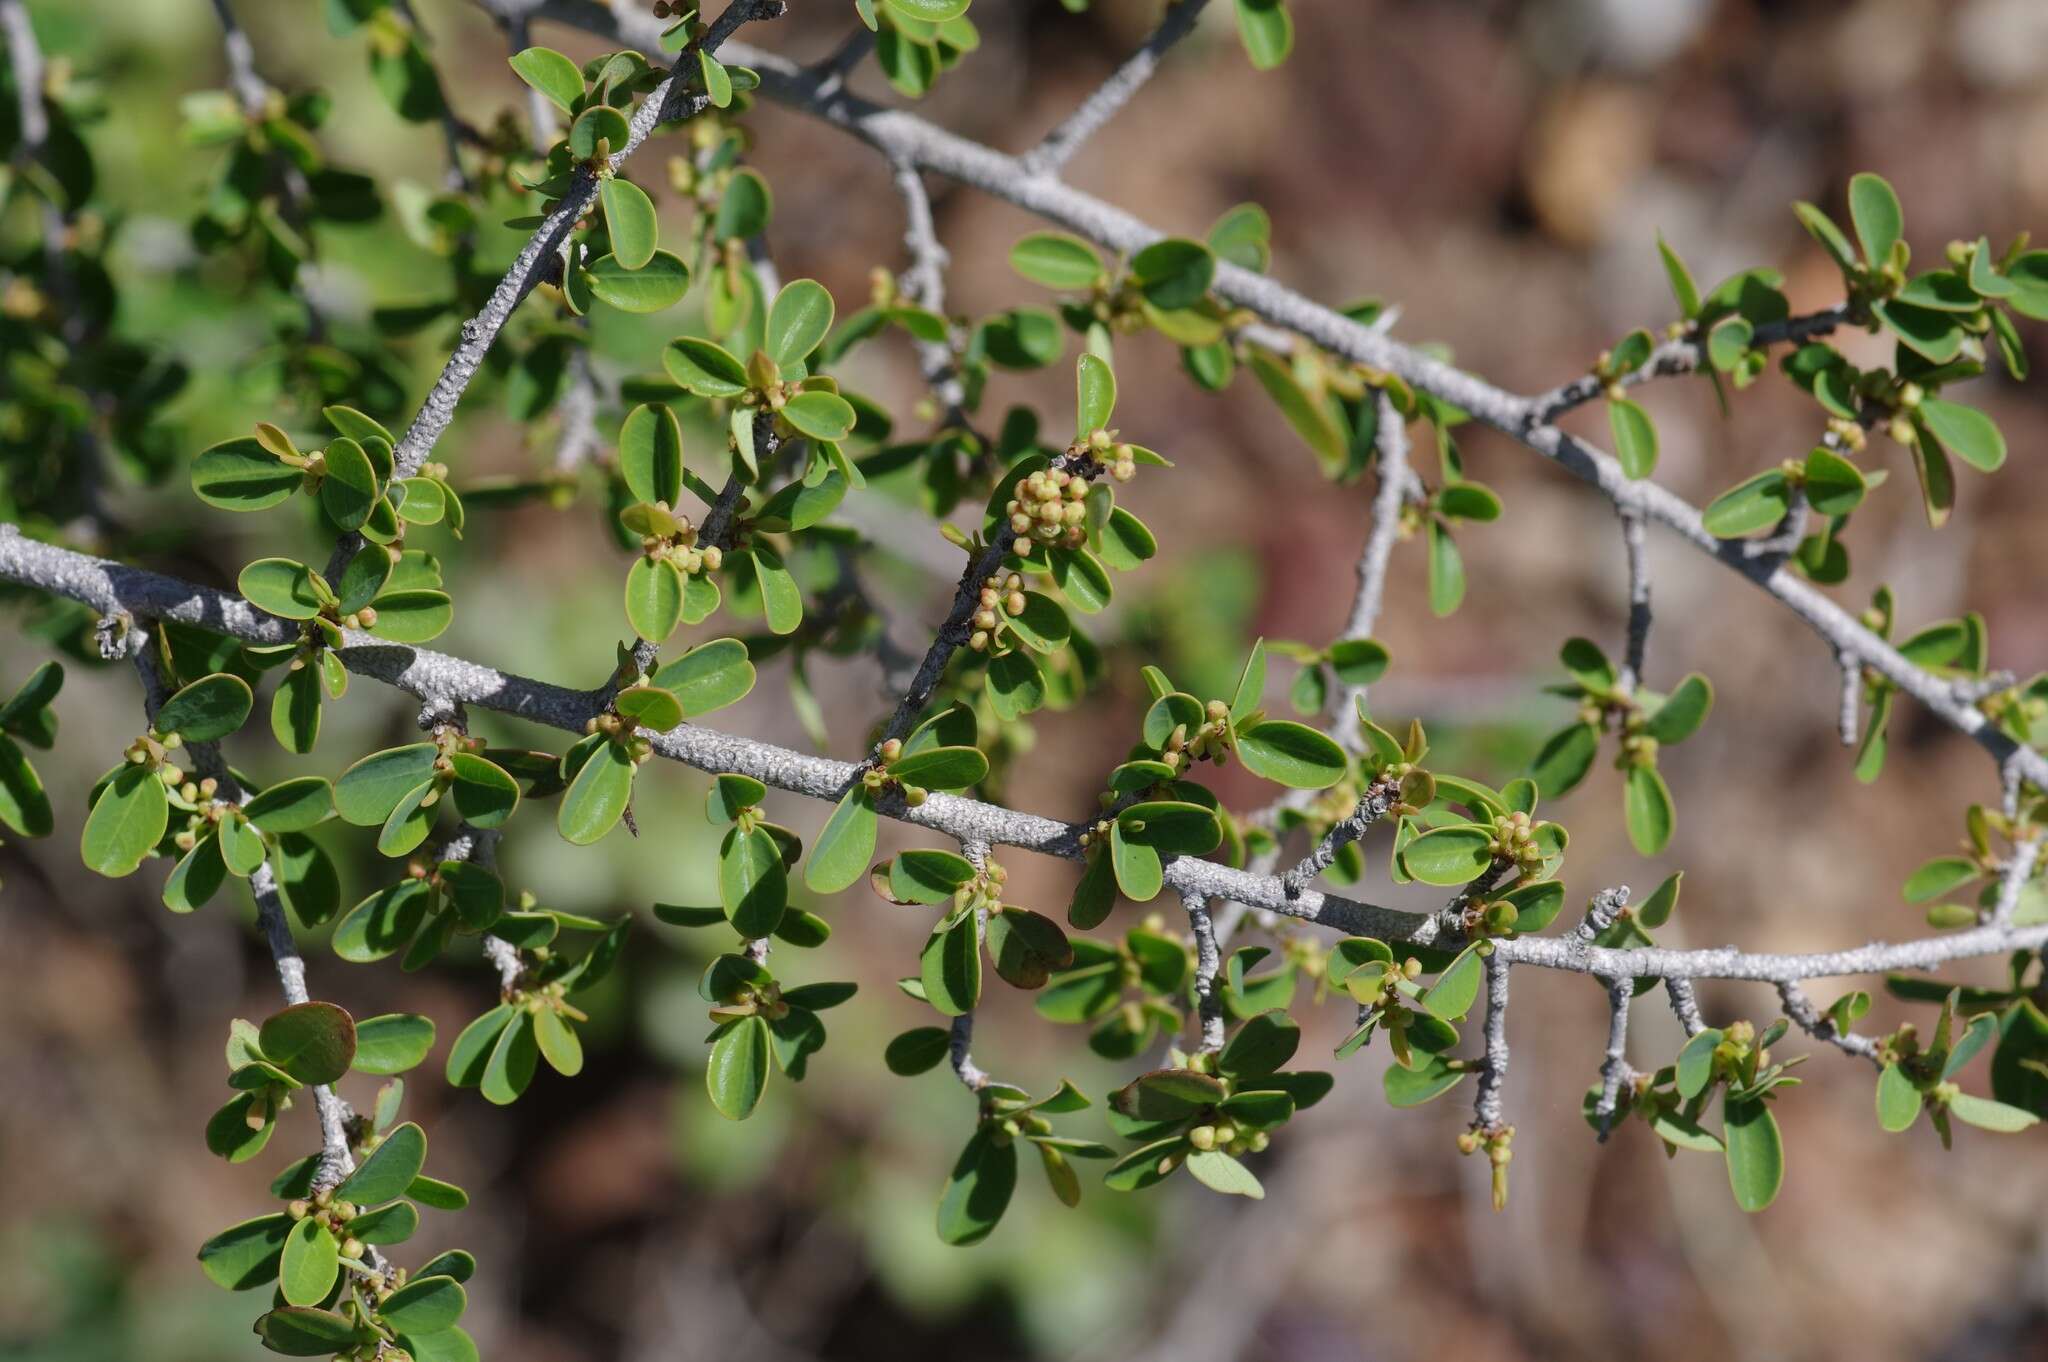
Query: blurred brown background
point(1500, 171)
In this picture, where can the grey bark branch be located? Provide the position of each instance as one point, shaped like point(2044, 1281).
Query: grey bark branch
point(902, 136)
point(1487, 1111)
point(1208, 964)
point(336, 1162)
point(2013, 877)
point(1852, 690)
point(924, 283)
point(672, 100)
point(1614, 1067)
point(25, 57)
point(961, 1036)
point(1109, 98)
point(1685, 1005)
point(115, 589)
point(1379, 797)
point(1632, 539)
point(1815, 1023)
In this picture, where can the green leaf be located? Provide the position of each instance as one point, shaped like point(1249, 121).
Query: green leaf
point(1261, 1046)
point(649, 707)
point(1407, 1087)
point(1266, 30)
point(209, 709)
point(389, 1169)
point(512, 1061)
point(1457, 988)
point(349, 490)
point(717, 80)
point(126, 822)
point(1291, 754)
point(1986, 1114)
point(298, 1331)
point(1042, 625)
point(820, 415)
point(630, 222)
point(280, 586)
point(551, 73)
point(1756, 1154)
point(753, 885)
point(1935, 336)
point(1656, 910)
point(1939, 877)
point(1647, 807)
point(485, 794)
point(941, 768)
point(310, 1263)
point(950, 966)
point(1682, 712)
point(737, 1072)
point(314, 1042)
point(704, 368)
point(1898, 1101)
point(599, 129)
point(367, 792)
point(1138, 870)
point(1696, 1063)
point(1874, 209)
point(24, 805)
point(1095, 394)
point(1309, 419)
point(978, 1188)
point(392, 1043)
point(1635, 438)
point(1755, 504)
point(1449, 856)
point(1057, 260)
point(413, 616)
point(654, 598)
point(918, 1050)
point(1964, 432)
point(798, 320)
point(745, 207)
point(427, 1305)
point(292, 805)
point(471, 1053)
point(1171, 826)
point(658, 284)
point(845, 845)
point(246, 1255)
point(1683, 289)
point(1174, 273)
point(1564, 759)
point(1446, 571)
point(1834, 486)
point(241, 475)
point(598, 796)
point(1823, 229)
point(651, 454)
point(1219, 1172)
point(709, 677)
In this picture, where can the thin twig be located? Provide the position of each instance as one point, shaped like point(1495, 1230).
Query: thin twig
point(1059, 146)
point(1208, 964)
point(1811, 1020)
point(1638, 597)
point(1614, 1068)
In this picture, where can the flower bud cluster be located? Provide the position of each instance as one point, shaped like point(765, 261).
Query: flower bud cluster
point(1050, 506)
point(1001, 595)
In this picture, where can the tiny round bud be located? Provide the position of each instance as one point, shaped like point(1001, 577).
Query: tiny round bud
point(1124, 472)
point(1203, 1137)
point(1901, 429)
point(299, 1210)
point(979, 641)
point(351, 1248)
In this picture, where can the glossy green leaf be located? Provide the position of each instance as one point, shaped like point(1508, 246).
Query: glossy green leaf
point(1266, 30)
point(367, 792)
point(1648, 810)
point(709, 677)
point(1291, 754)
point(1449, 856)
point(1635, 438)
point(737, 1073)
point(1755, 504)
point(1898, 1101)
point(657, 285)
point(1874, 209)
point(1756, 1154)
point(551, 73)
point(126, 822)
point(1964, 432)
point(1056, 260)
point(798, 321)
point(392, 1043)
point(388, 1169)
point(950, 967)
point(1095, 394)
point(1457, 988)
point(630, 222)
point(845, 845)
point(1682, 712)
point(241, 475)
point(310, 1263)
point(314, 1042)
point(598, 796)
point(753, 885)
point(427, 1305)
point(246, 1255)
point(281, 587)
point(654, 598)
point(978, 1188)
